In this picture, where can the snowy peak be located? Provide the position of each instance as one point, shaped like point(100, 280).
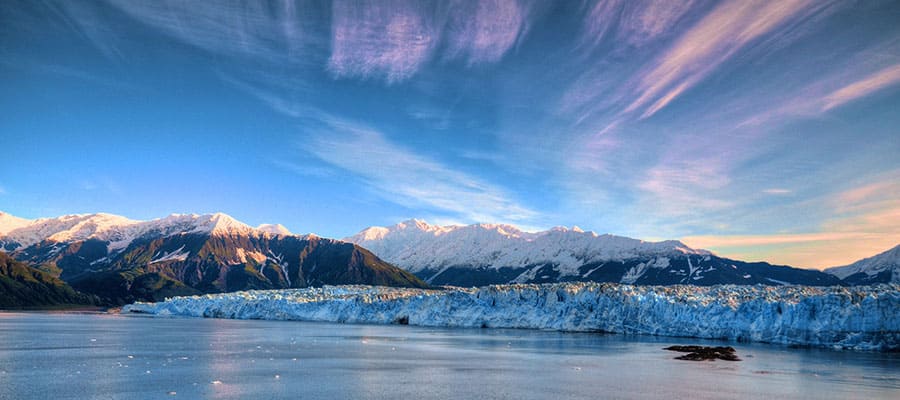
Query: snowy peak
point(65, 228)
point(220, 223)
point(9, 223)
point(419, 246)
point(16, 233)
point(881, 268)
point(371, 233)
point(275, 229)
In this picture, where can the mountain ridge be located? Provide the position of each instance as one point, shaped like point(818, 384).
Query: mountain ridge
point(883, 267)
point(480, 254)
point(123, 260)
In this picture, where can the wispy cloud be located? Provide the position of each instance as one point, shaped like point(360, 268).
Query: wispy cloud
point(777, 191)
point(635, 22)
point(410, 179)
point(271, 32)
point(393, 40)
point(870, 84)
point(716, 38)
point(390, 40)
point(484, 31)
point(87, 22)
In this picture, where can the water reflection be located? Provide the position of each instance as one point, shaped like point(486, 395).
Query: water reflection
point(97, 356)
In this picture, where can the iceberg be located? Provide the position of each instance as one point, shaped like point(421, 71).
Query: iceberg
point(859, 317)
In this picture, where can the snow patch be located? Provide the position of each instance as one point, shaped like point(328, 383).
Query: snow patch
point(776, 281)
point(177, 255)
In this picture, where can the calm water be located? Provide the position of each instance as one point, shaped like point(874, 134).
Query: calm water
point(78, 356)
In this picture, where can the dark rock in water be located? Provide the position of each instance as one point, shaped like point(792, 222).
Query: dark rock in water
point(705, 353)
point(404, 320)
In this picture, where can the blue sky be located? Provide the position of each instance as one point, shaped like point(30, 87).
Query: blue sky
point(759, 129)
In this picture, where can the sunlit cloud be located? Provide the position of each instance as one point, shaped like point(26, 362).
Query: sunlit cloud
point(483, 31)
point(887, 77)
point(715, 39)
point(777, 191)
point(393, 40)
point(634, 22)
point(389, 40)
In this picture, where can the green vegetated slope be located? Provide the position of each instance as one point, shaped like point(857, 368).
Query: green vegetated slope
point(22, 286)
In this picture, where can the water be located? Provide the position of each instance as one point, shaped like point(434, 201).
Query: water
point(80, 356)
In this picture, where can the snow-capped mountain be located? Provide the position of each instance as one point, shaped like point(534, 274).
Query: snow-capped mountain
point(16, 233)
point(881, 268)
point(122, 260)
point(481, 254)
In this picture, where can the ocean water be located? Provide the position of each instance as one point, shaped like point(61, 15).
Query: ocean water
point(101, 356)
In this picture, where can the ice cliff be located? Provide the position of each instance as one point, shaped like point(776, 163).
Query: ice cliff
point(863, 318)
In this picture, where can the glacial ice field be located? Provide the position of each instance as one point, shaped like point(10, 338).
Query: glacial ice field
point(859, 317)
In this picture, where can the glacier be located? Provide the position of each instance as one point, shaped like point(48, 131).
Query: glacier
point(860, 318)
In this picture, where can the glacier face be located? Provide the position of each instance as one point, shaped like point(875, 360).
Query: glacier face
point(863, 318)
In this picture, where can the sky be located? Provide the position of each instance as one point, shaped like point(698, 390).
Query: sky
point(762, 130)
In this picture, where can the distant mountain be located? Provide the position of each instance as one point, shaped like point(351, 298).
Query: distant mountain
point(481, 254)
point(881, 268)
point(122, 260)
point(24, 287)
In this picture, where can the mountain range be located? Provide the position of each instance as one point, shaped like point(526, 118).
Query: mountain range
point(122, 260)
point(114, 260)
point(481, 254)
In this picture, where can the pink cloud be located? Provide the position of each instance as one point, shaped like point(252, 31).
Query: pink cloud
point(870, 84)
point(636, 22)
point(486, 33)
point(390, 40)
point(712, 41)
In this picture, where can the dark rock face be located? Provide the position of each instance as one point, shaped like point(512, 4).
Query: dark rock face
point(701, 270)
point(153, 268)
point(704, 353)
